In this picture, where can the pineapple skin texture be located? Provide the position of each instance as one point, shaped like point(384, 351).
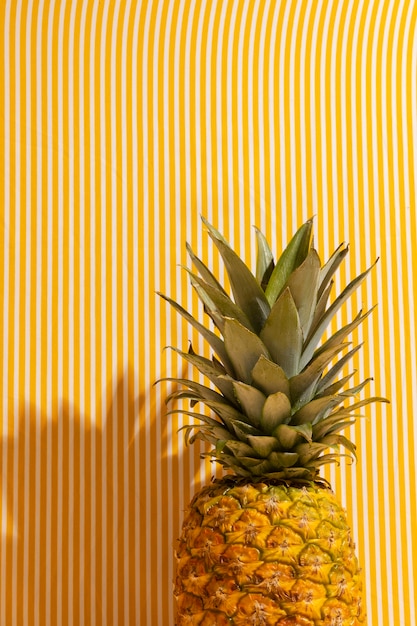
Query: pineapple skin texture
point(267, 554)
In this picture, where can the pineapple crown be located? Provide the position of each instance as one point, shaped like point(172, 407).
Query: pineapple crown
point(278, 405)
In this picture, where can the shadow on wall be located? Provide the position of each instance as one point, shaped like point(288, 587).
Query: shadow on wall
point(75, 507)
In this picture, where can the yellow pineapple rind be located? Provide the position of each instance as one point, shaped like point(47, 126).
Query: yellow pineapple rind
point(267, 553)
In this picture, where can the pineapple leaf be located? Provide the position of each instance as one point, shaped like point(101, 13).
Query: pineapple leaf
point(218, 303)
point(263, 445)
point(361, 403)
point(313, 372)
point(243, 429)
point(227, 413)
point(354, 391)
point(262, 469)
point(293, 255)
point(324, 427)
point(209, 421)
point(276, 410)
point(333, 389)
point(283, 459)
point(294, 473)
point(215, 342)
point(251, 400)
point(243, 348)
point(183, 394)
point(270, 377)
point(334, 441)
point(204, 271)
point(205, 393)
point(318, 331)
point(309, 451)
point(288, 436)
point(345, 331)
point(313, 411)
point(340, 426)
point(247, 292)
point(207, 368)
point(325, 459)
point(239, 448)
point(327, 380)
point(264, 260)
point(303, 284)
point(320, 309)
point(329, 268)
point(282, 334)
point(229, 461)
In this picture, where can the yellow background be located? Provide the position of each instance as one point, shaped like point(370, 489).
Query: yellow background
point(120, 123)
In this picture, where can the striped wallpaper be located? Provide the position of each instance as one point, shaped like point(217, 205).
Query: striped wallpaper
point(120, 123)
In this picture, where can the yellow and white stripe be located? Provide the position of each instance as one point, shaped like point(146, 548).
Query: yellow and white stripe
point(121, 122)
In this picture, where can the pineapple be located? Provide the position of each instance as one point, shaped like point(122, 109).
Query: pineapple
point(268, 543)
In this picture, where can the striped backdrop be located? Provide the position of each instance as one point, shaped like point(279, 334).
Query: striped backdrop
point(120, 123)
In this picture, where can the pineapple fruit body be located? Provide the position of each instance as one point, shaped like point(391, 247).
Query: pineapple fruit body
point(264, 553)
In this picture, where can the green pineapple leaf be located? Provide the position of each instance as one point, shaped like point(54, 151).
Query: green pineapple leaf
point(328, 270)
point(264, 260)
point(251, 400)
point(204, 271)
point(215, 342)
point(282, 334)
point(318, 331)
point(270, 377)
point(247, 292)
point(283, 459)
point(290, 259)
point(276, 410)
point(303, 284)
point(313, 411)
point(263, 445)
point(208, 369)
point(325, 383)
point(205, 393)
point(217, 303)
point(288, 436)
point(312, 373)
point(243, 348)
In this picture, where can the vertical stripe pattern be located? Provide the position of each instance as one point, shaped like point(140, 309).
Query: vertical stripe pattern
point(121, 122)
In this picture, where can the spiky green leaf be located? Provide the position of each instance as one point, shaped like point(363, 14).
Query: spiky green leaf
point(247, 292)
point(303, 284)
point(318, 331)
point(293, 255)
point(251, 400)
point(276, 410)
point(263, 445)
point(283, 459)
point(243, 347)
point(226, 412)
point(239, 448)
point(215, 342)
point(205, 393)
point(289, 436)
point(264, 259)
point(313, 411)
point(337, 386)
point(334, 441)
point(282, 334)
point(313, 372)
point(270, 377)
point(206, 367)
point(343, 332)
point(330, 267)
point(218, 303)
point(204, 271)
